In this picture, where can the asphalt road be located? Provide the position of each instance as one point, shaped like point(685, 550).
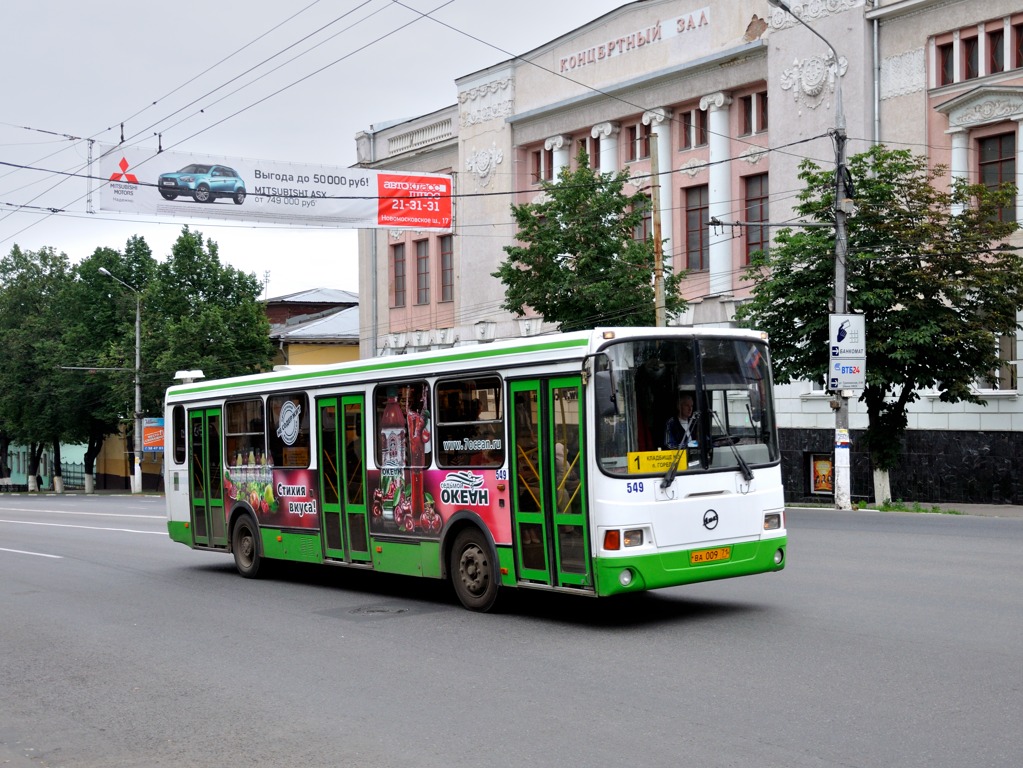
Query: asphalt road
point(891, 639)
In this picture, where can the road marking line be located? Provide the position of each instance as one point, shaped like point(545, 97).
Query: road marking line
point(86, 527)
point(35, 554)
point(89, 514)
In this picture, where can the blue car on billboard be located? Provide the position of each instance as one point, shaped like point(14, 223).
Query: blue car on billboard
point(203, 183)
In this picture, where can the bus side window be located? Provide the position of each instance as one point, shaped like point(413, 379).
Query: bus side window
point(404, 425)
point(288, 431)
point(179, 434)
point(470, 423)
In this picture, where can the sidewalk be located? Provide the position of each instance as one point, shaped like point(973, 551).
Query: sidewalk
point(1008, 511)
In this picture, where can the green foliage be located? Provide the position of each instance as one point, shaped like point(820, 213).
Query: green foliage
point(32, 286)
point(934, 287)
point(69, 335)
point(580, 265)
point(207, 315)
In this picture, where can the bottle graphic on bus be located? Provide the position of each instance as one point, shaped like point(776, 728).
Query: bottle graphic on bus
point(392, 438)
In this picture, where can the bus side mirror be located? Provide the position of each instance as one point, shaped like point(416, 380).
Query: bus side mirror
point(604, 394)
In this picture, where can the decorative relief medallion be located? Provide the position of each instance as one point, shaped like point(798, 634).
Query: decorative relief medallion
point(988, 111)
point(489, 101)
point(753, 155)
point(692, 167)
point(812, 80)
point(809, 10)
point(483, 164)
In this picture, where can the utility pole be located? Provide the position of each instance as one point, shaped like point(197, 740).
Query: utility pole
point(843, 478)
point(655, 200)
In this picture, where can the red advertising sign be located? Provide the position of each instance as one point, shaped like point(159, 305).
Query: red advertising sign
point(414, 202)
point(152, 434)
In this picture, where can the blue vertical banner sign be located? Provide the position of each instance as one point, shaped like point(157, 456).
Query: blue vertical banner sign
point(847, 349)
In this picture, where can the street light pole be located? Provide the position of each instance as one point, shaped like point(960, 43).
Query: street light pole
point(136, 478)
point(842, 461)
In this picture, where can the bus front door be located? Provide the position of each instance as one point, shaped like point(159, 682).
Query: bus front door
point(206, 483)
point(549, 482)
point(343, 478)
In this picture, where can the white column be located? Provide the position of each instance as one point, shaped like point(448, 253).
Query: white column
point(608, 135)
point(720, 191)
point(960, 160)
point(562, 146)
point(982, 57)
point(1007, 62)
point(957, 58)
point(660, 121)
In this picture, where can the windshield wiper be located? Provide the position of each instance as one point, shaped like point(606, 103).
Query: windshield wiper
point(669, 476)
point(747, 473)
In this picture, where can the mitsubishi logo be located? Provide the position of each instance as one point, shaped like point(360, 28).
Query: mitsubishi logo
point(124, 175)
point(710, 519)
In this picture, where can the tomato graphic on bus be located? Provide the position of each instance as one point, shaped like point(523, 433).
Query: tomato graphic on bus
point(445, 493)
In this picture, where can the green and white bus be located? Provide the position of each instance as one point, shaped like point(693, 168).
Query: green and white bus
point(545, 462)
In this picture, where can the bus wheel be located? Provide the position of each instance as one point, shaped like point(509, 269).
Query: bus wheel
point(472, 571)
point(245, 546)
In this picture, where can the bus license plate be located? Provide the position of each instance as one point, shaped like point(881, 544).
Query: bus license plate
point(701, 556)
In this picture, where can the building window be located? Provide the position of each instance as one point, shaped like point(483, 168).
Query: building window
point(996, 51)
point(946, 65)
point(447, 268)
point(639, 142)
point(535, 166)
point(548, 164)
point(398, 273)
point(998, 165)
point(591, 146)
point(645, 229)
point(694, 129)
point(753, 113)
point(757, 238)
point(971, 57)
point(1017, 48)
point(697, 234)
point(746, 110)
point(1004, 376)
point(422, 272)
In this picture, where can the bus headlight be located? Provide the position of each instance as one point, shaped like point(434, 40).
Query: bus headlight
point(772, 521)
point(625, 577)
point(779, 555)
point(633, 538)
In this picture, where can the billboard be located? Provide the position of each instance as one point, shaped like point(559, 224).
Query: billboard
point(141, 181)
point(152, 434)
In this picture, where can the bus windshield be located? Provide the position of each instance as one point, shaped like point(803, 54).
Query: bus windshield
point(709, 399)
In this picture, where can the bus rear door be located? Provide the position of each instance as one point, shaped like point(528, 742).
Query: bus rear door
point(205, 475)
point(549, 482)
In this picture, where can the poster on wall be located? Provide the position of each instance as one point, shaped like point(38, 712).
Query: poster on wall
point(141, 181)
point(822, 474)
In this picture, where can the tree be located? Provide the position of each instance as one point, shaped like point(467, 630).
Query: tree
point(581, 264)
point(204, 315)
point(935, 287)
point(99, 341)
point(32, 384)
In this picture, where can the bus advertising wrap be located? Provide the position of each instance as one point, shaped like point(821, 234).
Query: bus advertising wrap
point(140, 181)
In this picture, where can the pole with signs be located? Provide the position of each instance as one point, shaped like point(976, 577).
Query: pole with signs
point(847, 369)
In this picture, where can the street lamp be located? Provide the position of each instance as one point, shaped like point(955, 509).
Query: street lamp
point(136, 478)
point(842, 471)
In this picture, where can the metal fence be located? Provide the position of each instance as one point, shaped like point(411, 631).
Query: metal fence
point(73, 476)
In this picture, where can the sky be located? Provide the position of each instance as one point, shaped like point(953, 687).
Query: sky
point(291, 82)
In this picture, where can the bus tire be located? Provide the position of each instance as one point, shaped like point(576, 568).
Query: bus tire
point(473, 572)
point(245, 547)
